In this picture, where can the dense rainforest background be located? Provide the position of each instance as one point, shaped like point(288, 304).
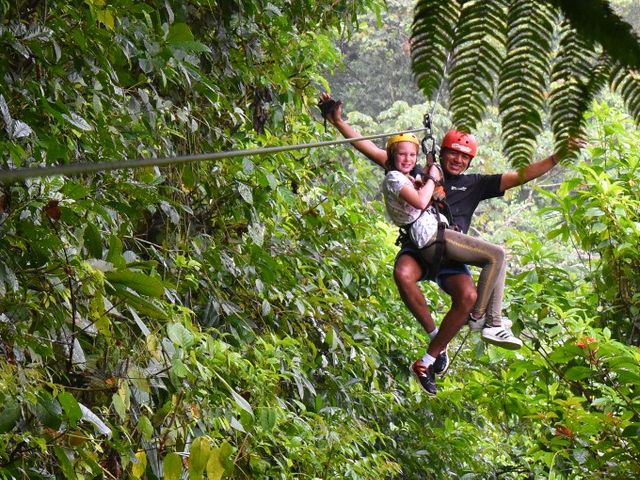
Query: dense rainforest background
point(238, 318)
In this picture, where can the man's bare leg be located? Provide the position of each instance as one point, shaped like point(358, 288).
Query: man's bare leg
point(407, 273)
point(463, 297)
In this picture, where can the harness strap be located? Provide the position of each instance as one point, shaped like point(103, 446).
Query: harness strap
point(404, 236)
point(441, 246)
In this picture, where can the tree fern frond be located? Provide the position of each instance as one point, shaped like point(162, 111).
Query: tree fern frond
point(627, 83)
point(524, 75)
point(431, 41)
point(476, 59)
point(595, 46)
point(596, 20)
point(578, 74)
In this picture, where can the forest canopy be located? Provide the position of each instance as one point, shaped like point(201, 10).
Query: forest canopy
point(238, 318)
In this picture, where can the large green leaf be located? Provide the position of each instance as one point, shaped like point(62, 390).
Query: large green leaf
point(70, 406)
point(9, 416)
point(172, 466)
point(215, 468)
point(199, 453)
point(140, 304)
point(137, 281)
point(48, 410)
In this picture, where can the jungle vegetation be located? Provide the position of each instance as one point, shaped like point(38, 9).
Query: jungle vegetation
point(238, 318)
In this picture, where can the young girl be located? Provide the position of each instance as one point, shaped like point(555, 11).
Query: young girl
point(408, 204)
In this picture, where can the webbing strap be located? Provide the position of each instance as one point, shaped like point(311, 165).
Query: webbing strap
point(439, 252)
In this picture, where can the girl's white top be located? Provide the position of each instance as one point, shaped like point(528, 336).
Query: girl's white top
point(401, 213)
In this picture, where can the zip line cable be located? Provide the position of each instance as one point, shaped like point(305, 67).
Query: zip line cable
point(11, 176)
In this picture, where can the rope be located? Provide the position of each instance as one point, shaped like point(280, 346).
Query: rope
point(11, 176)
point(464, 339)
point(428, 117)
point(439, 91)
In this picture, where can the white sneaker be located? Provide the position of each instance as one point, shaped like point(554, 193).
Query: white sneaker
point(501, 337)
point(505, 323)
point(476, 325)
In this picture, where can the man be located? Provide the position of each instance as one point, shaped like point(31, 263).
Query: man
point(463, 192)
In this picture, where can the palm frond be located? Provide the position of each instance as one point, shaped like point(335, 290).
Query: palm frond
point(523, 77)
point(431, 41)
point(579, 73)
point(596, 20)
point(477, 56)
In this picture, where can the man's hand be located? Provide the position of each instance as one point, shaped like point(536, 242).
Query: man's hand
point(418, 182)
point(574, 145)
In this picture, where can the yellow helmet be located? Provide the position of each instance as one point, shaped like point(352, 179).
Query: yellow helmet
point(405, 137)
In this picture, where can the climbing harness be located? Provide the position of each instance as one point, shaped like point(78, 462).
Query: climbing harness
point(438, 206)
point(14, 175)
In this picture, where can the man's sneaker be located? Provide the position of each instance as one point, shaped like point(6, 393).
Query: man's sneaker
point(501, 337)
point(476, 325)
point(425, 375)
point(442, 363)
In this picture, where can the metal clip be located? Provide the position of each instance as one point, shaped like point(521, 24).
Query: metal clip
point(426, 121)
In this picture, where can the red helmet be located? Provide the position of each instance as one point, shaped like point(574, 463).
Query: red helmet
point(460, 142)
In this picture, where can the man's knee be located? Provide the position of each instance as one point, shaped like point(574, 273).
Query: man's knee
point(406, 271)
point(462, 291)
point(466, 298)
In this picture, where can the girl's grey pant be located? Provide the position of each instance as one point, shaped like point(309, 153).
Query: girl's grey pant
point(489, 257)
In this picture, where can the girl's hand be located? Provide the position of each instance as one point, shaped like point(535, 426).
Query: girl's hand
point(434, 172)
point(334, 115)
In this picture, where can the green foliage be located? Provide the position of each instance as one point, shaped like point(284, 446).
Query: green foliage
point(602, 202)
point(598, 21)
point(239, 319)
point(375, 68)
point(483, 26)
point(518, 39)
point(108, 283)
point(577, 76)
point(523, 76)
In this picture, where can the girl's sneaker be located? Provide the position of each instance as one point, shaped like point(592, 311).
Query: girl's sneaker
point(476, 325)
point(501, 337)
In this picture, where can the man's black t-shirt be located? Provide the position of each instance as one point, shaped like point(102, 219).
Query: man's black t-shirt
point(465, 192)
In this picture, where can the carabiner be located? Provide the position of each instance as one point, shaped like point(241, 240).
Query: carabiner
point(428, 144)
point(426, 121)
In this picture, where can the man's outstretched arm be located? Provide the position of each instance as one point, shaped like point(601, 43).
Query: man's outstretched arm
point(524, 175)
point(534, 170)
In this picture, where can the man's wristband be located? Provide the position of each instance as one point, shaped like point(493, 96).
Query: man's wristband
point(429, 177)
